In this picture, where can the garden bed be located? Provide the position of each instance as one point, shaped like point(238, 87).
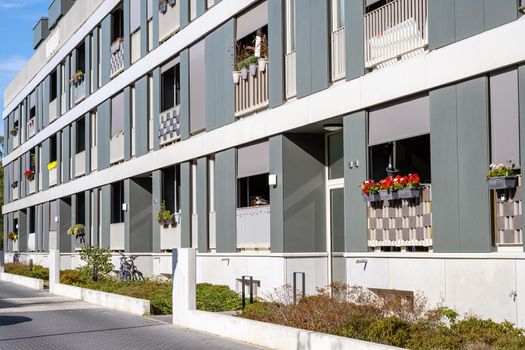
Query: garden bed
point(37, 272)
point(398, 321)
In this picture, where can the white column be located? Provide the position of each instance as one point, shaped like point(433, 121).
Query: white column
point(1, 261)
point(184, 284)
point(54, 268)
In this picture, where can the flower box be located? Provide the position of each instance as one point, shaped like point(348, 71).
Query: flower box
point(371, 197)
point(502, 182)
point(386, 195)
point(408, 193)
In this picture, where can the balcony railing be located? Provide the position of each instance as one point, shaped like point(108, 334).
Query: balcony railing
point(116, 148)
point(80, 163)
point(31, 127)
point(169, 21)
point(401, 222)
point(169, 126)
point(116, 236)
point(395, 31)
point(508, 223)
point(53, 176)
point(79, 90)
point(32, 186)
point(14, 192)
point(251, 92)
point(169, 237)
point(291, 80)
point(253, 227)
point(117, 57)
point(338, 54)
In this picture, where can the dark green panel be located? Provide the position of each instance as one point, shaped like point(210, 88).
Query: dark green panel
point(156, 189)
point(127, 122)
point(141, 116)
point(499, 12)
point(105, 38)
point(276, 195)
point(156, 107)
point(141, 220)
point(184, 13)
point(184, 95)
point(103, 131)
point(105, 217)
point(470, 18)
point(444, 165)
point(304, 193)
point(473, 162)
point(303, 48)
point(441, 23)
point(521, 92)
point(185, 204)
point(66, 157)
point(202, 205)
point(355, 143)
point(354, 39)
point(276, 32)
point(319, 45)
point(226, 189)
point(127, 37)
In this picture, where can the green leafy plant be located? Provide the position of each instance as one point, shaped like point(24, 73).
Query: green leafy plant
point(98, 262)
point(217, 298)
point(20, 269)
point(76, 230)
point(12, 236)
point(163, 214)
point(500, 170)
point(245, 63)
point(14, 131)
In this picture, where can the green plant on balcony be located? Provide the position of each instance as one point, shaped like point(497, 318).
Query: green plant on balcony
point(76, 230)
point(12, 236)
point(164, 216)
point(77, 77)
point(52, 165)
point(14, 131)
point(501, 176)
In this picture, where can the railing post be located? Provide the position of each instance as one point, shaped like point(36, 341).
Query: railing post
point(54, 268)
point(184, 284)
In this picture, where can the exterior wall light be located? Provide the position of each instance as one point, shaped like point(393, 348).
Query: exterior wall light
point(272, 180)
point(124, 206)
point(332, 127)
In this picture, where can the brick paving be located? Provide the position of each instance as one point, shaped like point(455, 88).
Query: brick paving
point(39, 320)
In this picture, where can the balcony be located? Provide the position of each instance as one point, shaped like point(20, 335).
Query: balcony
point(253, 227)
point(80, 164)
point(53, 176)
point(508, 226)
point(251, 89)
point(169, 126)
point(31, 127)
point(169, 237)
point(394, 32)
point(338, 54)
point(14, 190)
point(401, 223)
point(169, 20)
point(116, 236)
point(291, 77)
point(117, 57)
point(79, 90)
point(116, 148)
point(32, 186)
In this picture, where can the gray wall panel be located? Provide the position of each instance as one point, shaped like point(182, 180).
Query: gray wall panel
point(87, 73)
point(45, 111)
point(184, 94)
point(226, 189)
point(67, 95)
point(470, 18)
point(141, 117)
point(319, 45)
point(127, 36)
point(521, 95)
point(45, 227)
point(64, 214)
point(499, 12)
point(105, 218)
point(96, 55)
point(441, 23)
point(45, 160)
point(276, 195)
point(473, 161)
point(66, 157)
point(103, 132)
point(354, 42)
point(87, 214)
point(156, 107)
point(202, 205)
point(105, 54)
point(444, 165)
point(144, 28)
point(184, 13)
point(156, 189)
point(96, 219)
point(141, 220)
point(303, 48)
point(185, 205)
point(355, 148)
point(276, 32)
point(22, 231)
point(127, 123)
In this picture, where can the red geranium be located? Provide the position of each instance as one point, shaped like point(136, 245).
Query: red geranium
point(413, 181)
point(368, 187)
point(29, 174)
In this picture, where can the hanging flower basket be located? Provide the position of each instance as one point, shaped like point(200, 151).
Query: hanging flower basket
point(502, 182)
point(371, 197)
point(409, 193)
point(29, 174)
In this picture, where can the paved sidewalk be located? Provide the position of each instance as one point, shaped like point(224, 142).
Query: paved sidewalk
point(39, 320)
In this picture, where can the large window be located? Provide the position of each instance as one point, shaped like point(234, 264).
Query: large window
point(53, 86)
point(252, 175)
point(117, 198)
point(81, 208)
point(32, 219)
point(197, 88)
point(335, 156)
point(338, 14)
point(290, 26)
point(53, 148)
point(170, 86)
point(253, 191)
point(81, 135)
point(171, 188)
point(117, 24)
point(117, 114)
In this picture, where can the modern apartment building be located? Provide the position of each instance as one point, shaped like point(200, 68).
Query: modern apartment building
point(128, 107)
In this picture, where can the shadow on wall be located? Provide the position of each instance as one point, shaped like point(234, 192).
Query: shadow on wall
point(10, 320)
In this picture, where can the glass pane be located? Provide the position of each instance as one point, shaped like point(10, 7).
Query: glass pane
point(341, 13)
point(335, 156)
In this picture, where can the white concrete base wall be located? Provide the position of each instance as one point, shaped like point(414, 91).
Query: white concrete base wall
point(482, 285)
point(33, 283)
point(273, 271)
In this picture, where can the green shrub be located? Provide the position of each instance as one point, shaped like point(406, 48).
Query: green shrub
point(245, 63)
point(38, 271)
point(98, 262)
point(73, 277)
point(217, 298)
point(390, 330)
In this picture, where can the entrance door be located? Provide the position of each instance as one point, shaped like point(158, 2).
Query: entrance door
point(335, 241)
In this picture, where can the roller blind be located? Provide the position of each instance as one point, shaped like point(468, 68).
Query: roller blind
point(149, 10)
point(252, 20)
point(253, 159)
point(504, 115)
point(32, 99)
point(52, 214)
point(169, 65)
point(134, 15)
point(117, 113)
point(197, 87)
point(399, 120)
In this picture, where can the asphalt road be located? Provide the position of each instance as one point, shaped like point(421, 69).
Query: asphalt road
point(39, 320)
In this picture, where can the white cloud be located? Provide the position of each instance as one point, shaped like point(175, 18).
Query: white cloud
point(12, 64)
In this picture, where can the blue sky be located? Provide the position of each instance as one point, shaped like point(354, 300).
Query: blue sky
point(17, 19)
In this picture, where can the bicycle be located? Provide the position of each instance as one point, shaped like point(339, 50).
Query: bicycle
point(128, 271)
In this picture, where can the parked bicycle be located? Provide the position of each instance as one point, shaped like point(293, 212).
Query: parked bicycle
point(128, 271)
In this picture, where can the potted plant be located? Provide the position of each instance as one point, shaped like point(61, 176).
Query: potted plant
point(12, 236)
point(14, 131)
point(263, 59)
point(172, 2)
point(248, 64)
point(78, 231)
point(411, 187)
point(369, 190)
point(14, 184)
point(164, 216)
point(77, 77)
point(52, 165)
point(388, 188)
point(501, 177)
point(29, 174)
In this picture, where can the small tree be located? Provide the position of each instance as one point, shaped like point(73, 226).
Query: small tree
point(98, 262)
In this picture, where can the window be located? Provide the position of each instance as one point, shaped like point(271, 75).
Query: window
point(338, 14)
point(171, 188)
point(134, 16)
point(253, 166)
point(193, 9)
point(32, 159)
point(253, 191)
point(80, 214)
point(81, 58)
point(170, 87)
point(53, 86)
point(290, 26)
point(335, 156)
point(53, 148)
point(81, 135)
point(117, 24)
point(408, 156)
point(117, 114)
point(53, 213)
point(117, 198)
point(93, 131)
point(32, 219)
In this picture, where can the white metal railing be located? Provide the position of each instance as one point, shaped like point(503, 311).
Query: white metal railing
point(79, 90)
point(395, 31)
point(253, 227)
point(169, 126)
point(338, 54)
point(31, 127)
point(291, 74)
point(251, 94)
point(117, 57)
